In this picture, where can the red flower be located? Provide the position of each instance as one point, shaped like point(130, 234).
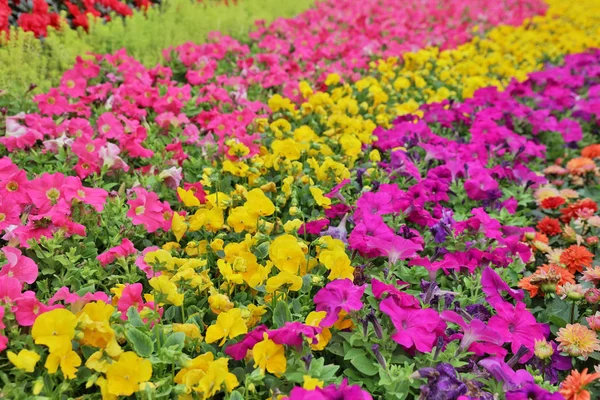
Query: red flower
point(552, 203)
point(576, 209)
point(549, 226)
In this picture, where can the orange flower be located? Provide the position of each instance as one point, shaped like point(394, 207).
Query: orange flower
point(572, 388)
point(548, 277)
point(581, 165)
point(575, 258)
point(591, 151)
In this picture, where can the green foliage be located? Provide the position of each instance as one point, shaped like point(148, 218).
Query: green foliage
point(25, 60)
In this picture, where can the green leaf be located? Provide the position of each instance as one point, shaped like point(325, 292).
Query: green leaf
point(175, 339)
point(133, 316)
point(281, 314)
point(352, 353)
point(365, 365)
point(235, 395)
point(141, 343)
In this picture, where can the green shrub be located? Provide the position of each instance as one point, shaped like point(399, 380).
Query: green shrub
point(25, 60)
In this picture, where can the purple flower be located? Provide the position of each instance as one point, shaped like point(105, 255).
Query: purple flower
point(443, 383)
point(502, 372)
point(338, 232)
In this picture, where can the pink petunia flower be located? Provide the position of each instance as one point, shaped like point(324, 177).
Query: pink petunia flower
point(19, 266)
point(146, 209)
point(123, 250)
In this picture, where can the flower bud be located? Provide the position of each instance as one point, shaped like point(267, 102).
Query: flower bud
point(592, 240)
point(529, 235)
point(543, 350)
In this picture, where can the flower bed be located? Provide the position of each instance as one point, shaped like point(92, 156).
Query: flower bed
point(181, 231)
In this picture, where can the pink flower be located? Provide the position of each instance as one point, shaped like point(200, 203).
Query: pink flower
point(10, 289)
point(131, 296)
point(3, 339)
point(396, 249)
point(145, 267)
point(63, 294)
point(125, 249)
point(18, 266)
point(28, 307)
point(74, 190)
point(52, 103)
point(109, 126)
point(414, 327)
point(73, 83)
point(338, 295)
point(14, 188)
point(47, 189)
point(9, 215)
point(146, 209)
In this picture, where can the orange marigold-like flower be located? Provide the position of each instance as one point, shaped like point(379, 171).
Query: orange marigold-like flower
point(573, 387)
point(577, 340)
point(549, 226)
point(575, 258)
point(547, 277)
point(581, 165)
point(585, 206)
point(591, 151)
point(552, 203)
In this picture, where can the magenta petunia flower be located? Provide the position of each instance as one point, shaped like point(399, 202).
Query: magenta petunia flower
point(493, 286)
point(476, 336)
point(415, 328)
point(517, 326)
point(239, 350)
point(331, 392)
point(338, 295)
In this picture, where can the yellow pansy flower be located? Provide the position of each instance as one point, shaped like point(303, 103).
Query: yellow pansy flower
point(269, 356)
point(229, 325)
point(125, 376)
point(55, 329)
point(25, 360)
